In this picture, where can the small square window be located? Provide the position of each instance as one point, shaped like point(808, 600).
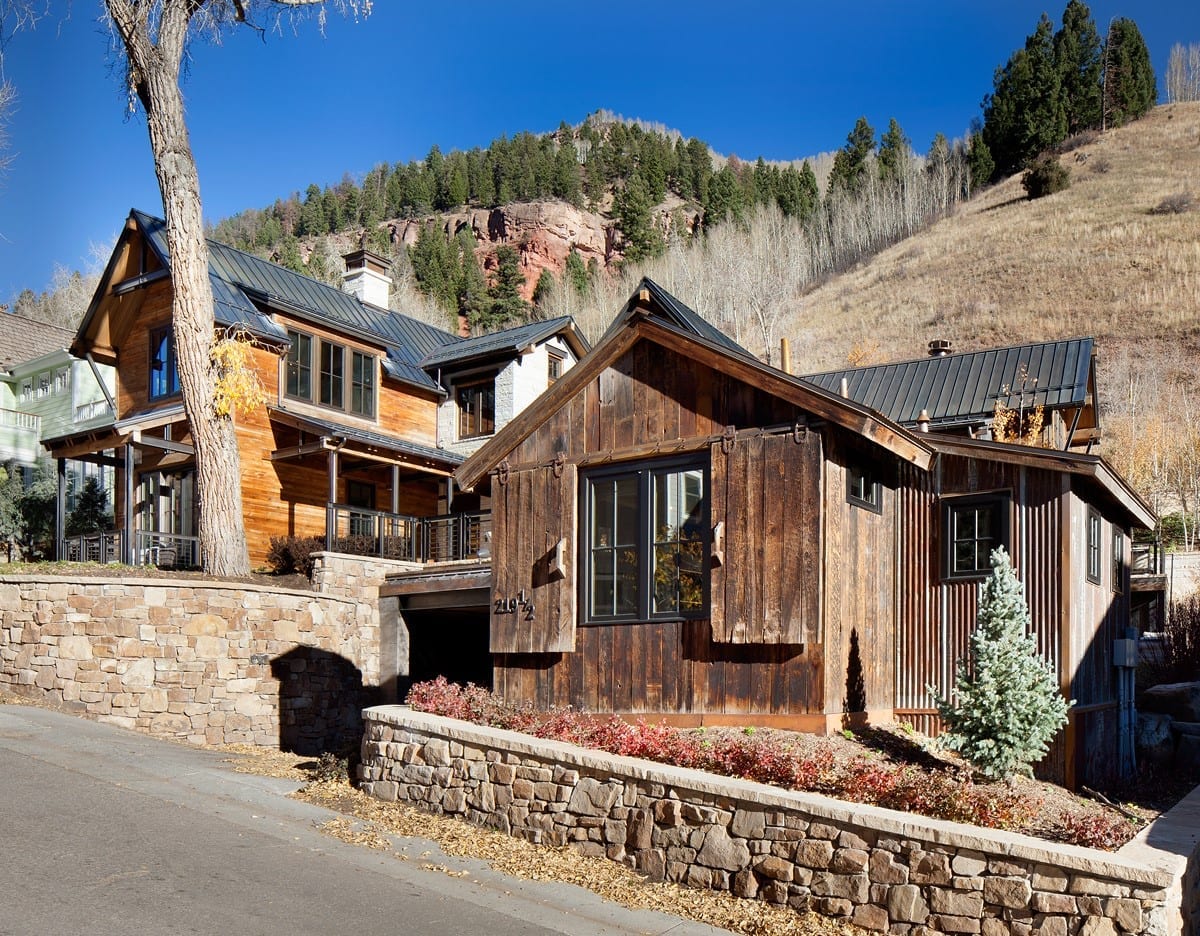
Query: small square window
point(554, 366)
point(863, 489)
point(972, 527)
point(1093, 545)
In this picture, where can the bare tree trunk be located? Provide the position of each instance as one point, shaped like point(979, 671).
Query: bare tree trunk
point(154, 77)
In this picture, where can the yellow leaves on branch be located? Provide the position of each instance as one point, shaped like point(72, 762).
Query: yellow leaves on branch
point(1018, 427)
point(238, 389)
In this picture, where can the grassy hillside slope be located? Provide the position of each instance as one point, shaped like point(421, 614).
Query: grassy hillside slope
point(1097, 259)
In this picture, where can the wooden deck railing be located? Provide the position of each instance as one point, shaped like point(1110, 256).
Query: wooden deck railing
point(1146, 559)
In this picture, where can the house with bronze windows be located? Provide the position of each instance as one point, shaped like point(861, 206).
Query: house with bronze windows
point(368, 412)
point(680, 531)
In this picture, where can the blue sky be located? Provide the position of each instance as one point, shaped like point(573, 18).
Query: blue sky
point(270, 114)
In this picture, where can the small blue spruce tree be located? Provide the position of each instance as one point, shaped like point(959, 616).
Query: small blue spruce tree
point(1006, 704)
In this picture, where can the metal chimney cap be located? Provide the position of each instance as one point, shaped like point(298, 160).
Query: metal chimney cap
point(940, 347)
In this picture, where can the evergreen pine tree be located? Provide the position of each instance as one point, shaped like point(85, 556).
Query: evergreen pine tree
point(725, 200)
point(38, 503)
point(1130, 89)
point(1007, 706)
point(849, 170)
point(472, 286)
point(980, 164)
point(543, 288)
point(576, 273)
point(1077, 57)
point(632, 208)
point(505, 303)
point(12, 524)
point(91, 513)
point(893, 155)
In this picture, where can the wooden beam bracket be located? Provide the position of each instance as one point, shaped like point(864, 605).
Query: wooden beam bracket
point(718, 543)
point(728, 437)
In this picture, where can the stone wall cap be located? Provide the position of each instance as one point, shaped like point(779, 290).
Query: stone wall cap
point(1090, 861)
point(121, 582)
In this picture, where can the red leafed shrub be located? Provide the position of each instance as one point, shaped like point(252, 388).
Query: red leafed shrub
point(1095, 831)
point(939, 793)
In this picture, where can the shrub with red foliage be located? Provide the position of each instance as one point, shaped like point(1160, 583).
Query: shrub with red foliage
point(940, 793)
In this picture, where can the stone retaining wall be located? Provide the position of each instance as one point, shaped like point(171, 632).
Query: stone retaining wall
point(204, 662)
point(883, 870)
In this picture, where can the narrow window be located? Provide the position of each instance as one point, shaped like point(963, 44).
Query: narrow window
point(1093, 546)
point(164, 378)
point(1118, 561)
point(972, 528)
point(477, 409)
point(60, 380)
point(362, 385)
point(26, 390)
point(299, 366)
point(332, 363)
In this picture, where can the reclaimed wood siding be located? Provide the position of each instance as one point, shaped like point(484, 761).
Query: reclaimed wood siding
point(766, 493)
point(859, 569)
point(666, 667)
point(648, 401)
point(533, 590)
point(937, 616)
point(133, 371)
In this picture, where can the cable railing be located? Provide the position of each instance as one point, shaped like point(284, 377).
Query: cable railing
point(447, 538)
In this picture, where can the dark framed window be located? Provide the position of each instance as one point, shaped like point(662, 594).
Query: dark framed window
point(362, 384)
point(972, 527)
point(164, 377)
point(299, 366)
point(646, 542)
point(333, 359)
point(863, 488)
point(1093, 545)
point(477, 408)
point(1118, 561)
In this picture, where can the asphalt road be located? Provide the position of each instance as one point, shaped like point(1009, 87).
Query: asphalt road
point(107, 832)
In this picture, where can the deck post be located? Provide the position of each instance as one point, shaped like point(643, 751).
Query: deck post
point(60, 510)
point(330, 514)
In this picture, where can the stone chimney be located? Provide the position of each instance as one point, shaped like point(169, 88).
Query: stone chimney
point(367, 277)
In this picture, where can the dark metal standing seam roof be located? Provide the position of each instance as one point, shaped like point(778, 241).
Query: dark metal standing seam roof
point(962, 389)
point(677, 314)
point(239, 278)
point(508, 341)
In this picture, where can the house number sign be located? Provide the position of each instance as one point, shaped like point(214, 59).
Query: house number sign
point(520, 604)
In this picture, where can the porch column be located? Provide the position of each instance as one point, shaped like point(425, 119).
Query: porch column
point(395, 489)
point(60, 510)
point(127, 541)
point(330, 515)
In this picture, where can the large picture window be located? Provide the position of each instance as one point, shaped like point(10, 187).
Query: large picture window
point(164, 377)
point(299, 366)
point(646, 542)
point(362, 384)
point(477, 408)
point(972, 527)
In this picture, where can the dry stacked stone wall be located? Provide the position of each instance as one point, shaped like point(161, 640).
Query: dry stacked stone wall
point(199, 661)
point(885, 871)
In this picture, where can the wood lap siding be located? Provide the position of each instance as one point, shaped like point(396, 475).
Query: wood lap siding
point(532, 511)
point(766, 491)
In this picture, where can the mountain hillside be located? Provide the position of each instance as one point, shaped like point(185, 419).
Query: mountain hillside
point(1116, 255)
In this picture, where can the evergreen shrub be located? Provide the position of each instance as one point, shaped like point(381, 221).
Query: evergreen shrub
point(1006, 706)
point(1045, 177)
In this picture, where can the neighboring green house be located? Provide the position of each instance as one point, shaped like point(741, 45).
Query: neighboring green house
point(45, 392)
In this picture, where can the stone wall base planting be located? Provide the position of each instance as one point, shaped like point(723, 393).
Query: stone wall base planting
point(883, 870)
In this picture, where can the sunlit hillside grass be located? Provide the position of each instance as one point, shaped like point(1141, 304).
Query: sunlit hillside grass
point(1103, 258)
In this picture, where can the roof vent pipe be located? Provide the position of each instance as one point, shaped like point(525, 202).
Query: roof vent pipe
point(940, 347)
point(923, 421)
point(845, 388)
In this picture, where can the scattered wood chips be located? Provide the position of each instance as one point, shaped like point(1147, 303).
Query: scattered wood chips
point(519, 858)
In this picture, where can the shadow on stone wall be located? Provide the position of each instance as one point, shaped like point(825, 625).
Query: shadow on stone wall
point(321, 697)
